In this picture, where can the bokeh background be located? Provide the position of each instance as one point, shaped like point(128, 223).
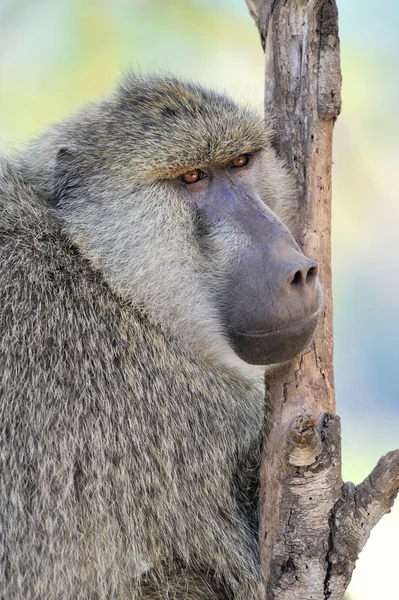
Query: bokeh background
point(57, 54)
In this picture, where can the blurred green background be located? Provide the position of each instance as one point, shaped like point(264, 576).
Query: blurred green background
point(57, 54)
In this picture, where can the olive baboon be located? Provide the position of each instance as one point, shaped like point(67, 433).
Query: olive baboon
point(144, 279)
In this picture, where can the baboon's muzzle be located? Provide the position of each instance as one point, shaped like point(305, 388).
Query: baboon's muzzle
point(273, 296)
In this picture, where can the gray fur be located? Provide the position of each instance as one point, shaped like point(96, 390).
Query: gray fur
point(129, 430)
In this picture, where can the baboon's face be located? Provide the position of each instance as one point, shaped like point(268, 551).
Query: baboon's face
point(173, 191)
point(271, 296)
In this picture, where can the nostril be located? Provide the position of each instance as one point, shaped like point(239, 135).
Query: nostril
point(297, 279)
point(305, 275)
point(312, 274)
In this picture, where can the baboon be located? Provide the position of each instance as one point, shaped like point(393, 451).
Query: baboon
point(146, 284)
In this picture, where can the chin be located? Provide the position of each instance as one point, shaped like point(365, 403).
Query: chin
point(274, 346)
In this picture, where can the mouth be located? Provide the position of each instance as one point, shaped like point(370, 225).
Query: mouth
point(275, 345)
point(290, 327)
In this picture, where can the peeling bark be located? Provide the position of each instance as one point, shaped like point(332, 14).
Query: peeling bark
point(312, 527)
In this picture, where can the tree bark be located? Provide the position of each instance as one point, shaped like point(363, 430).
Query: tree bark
point(312, 527)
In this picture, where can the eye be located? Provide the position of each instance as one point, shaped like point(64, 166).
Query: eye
point(193, 176)
point(240, 161)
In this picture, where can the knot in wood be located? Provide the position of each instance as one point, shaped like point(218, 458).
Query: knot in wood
point(303, 441)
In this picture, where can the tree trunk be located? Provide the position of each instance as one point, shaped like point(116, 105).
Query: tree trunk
point(312, 527)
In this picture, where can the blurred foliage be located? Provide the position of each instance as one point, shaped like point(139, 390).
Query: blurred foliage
point(57, 54)
point(60, 54)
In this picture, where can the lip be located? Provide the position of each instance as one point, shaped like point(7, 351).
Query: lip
point(299, 325)
point(275, 345)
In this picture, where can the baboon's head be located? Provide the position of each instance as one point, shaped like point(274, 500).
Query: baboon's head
point(173, 191)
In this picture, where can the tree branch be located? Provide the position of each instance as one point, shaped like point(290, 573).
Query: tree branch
point(353, 517)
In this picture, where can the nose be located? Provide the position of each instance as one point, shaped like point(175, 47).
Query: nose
point(299, 285)
point(304, 275)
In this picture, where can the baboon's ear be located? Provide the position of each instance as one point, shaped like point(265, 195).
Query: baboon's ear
point(64, 162)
